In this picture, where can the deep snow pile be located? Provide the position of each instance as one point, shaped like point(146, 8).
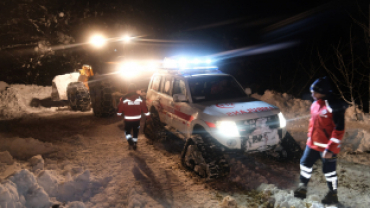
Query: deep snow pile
point(300, 109)
point(290, 106)
point(15, 100)
point(282, 198)
point(43, 188)
point(62, 81)
point(3, 86)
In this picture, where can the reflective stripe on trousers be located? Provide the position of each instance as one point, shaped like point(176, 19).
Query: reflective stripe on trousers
point(309, 157)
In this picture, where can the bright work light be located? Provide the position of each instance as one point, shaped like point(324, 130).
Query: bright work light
point(129, 69)
point(98, 41)
point(127, 38)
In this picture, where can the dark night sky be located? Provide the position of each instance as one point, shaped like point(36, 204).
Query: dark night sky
point(192, 28)
point(215, 26)
point(210, 27)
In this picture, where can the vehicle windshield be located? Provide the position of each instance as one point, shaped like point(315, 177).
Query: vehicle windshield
point(210, 88)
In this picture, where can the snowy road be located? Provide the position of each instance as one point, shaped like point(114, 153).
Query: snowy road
point(153, 177)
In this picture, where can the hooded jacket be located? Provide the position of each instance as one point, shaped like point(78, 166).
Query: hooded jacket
point(131, 106)
point(326, 128)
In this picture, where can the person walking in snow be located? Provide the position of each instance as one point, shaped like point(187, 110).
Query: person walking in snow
point(130, 107)
point(325, 132)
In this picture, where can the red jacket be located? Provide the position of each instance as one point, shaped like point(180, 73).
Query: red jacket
point(132, 106)
point(326, 128)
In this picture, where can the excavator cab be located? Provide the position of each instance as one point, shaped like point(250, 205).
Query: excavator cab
point(85, 73)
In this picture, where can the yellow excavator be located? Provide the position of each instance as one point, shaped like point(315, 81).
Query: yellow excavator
point(84, 89)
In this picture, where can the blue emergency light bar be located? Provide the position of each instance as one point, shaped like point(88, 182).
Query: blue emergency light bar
point(188, 67)
point(199, 70)
point(183, 63)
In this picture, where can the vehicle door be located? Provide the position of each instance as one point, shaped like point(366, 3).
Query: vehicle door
point(154, 95)
point(166, 100)
point(182, 111)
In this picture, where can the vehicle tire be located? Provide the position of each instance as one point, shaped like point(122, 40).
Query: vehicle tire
point(206, 159)
point(154, 129)
point(102, 99)
point(78, 96)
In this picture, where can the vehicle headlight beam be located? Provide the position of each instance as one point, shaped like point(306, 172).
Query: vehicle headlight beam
point(282, 120)
point(227, 128)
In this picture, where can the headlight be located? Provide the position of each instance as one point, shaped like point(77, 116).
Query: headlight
point(129, 69)
point(227, 128)
point(282, 120)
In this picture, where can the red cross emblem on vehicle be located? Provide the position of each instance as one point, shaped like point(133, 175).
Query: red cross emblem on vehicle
point(225, 105)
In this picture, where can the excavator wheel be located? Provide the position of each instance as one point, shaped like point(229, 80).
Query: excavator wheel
point(78, 96)
point(102, 99)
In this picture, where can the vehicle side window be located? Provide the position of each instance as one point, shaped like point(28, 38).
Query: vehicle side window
point(167, 85)
point(156, 83)
point(179, 87)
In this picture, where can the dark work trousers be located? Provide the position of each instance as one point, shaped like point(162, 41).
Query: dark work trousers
point(134, 126)
point(309, 157)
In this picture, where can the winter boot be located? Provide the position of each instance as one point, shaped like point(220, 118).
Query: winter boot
point(134, 146)
point(130, 144)
point(330, 198)
point(301, 191)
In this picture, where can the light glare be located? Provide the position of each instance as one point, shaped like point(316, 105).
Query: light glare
point(228, 128)
point(98, 41)
point(127, 39)
point(282, 120)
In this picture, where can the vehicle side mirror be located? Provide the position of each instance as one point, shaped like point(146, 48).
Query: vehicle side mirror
point(179, 98)
point(248, 91)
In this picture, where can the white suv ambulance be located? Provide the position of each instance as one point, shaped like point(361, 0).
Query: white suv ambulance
point(212, 110)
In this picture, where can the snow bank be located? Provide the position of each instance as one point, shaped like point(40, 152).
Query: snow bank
point(300, 109)
point(25, 148)
point(62, 81)
point(15, 100)
point(290, 106)
point(282, 198)
point(3, 86)
point(356, 141)
point(6, 158)
point(26, 189)
point(22, 190)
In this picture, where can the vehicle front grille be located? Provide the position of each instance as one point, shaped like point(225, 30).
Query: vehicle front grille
point(248, 126)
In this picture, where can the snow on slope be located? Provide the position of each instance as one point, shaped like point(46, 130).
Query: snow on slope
point(15, 101)
point(290, 106)
point(44, 188)
point(3, 86)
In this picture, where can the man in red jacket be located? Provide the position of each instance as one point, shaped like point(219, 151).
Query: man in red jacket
point(130, 107)
point(325, 132)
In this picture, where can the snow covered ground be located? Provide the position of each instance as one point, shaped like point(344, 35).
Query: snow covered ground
point(52, 156)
